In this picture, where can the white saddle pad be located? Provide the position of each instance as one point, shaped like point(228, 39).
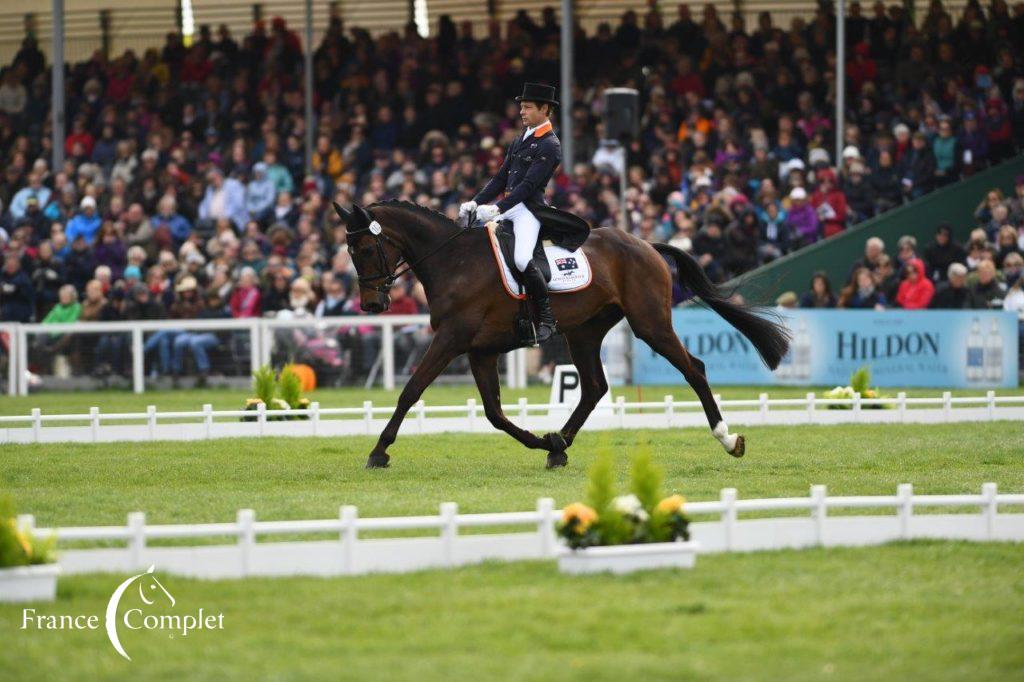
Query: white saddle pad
point(570, 270)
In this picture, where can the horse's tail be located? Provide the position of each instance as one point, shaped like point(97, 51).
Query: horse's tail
point(759, 325)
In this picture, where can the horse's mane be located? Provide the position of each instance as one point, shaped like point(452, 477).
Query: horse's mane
point(422, 211)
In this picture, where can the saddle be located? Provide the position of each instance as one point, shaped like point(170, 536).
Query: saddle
point(559, 227)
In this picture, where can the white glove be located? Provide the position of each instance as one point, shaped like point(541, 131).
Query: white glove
point(487, 212)
point(466, 208)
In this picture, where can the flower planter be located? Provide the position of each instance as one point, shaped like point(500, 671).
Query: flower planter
point(29, 583)
point(621, 559)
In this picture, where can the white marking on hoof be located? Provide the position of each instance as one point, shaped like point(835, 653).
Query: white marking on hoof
point(728, 440)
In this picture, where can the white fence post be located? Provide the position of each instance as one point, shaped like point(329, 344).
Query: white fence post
point(94, 423)
point(207, 420)
point(905, 493)
point(546, 526)
point(728, 498)
point(856, 406)
point(255, 341)
point(137, 541)
point(820, 513)
point(520, 367)
point(246, 539)
point(266, 343)
point(947, 406)
point(471, 412)
point(314, 416)
point(349, 537)
point(810, 408)
point(901, 405)
point(37, 423)
point(523, 413)
point(368, 416)
point(510, 369)
point(261, 417)
point(763, 407)
point(138, 362)
point(990, 508)
point(151, 421)
point(420, 407)
point(21, 348)
point(387, 349)
point(449, 530)
point(620, 410)
point(13, 360)
point(27, 523)
point(670, 410)
point(990, 398)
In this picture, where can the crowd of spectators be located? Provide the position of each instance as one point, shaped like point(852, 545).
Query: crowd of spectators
point(185, 191)
point(983, 274)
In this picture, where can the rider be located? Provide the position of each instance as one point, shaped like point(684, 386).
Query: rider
point(529, 164)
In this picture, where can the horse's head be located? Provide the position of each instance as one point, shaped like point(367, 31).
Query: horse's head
point(375, 255)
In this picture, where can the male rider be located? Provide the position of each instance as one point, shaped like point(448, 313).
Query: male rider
point(529, 164)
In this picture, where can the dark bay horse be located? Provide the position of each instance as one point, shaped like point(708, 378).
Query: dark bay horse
point(471, 312)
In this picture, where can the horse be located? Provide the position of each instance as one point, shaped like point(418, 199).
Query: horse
point(471, 313)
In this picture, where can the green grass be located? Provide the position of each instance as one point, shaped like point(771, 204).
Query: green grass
point(79, 402)
point(916, 611)
point(310, 477)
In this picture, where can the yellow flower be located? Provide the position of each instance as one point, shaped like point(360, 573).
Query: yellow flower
point(251, 402)
point(581, 513)
point(672, 504)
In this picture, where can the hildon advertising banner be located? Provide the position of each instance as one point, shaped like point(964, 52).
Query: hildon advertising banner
point(903, 348)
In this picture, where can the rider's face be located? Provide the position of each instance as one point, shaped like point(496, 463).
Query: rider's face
point(532, 114)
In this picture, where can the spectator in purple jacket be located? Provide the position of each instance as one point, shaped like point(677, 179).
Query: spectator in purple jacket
point(802, 217)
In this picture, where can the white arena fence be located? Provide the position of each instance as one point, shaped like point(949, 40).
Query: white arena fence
point(261, 336)
point(968, 517)
point(206, 424)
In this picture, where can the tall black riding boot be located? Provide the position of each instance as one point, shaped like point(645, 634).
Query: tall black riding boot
point(537, 289)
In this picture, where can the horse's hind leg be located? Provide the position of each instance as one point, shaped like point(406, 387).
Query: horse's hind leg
point(485, 372)
point(585, 348)
point(657, 332)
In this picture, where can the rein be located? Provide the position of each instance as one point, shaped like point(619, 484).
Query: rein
point(379, 237)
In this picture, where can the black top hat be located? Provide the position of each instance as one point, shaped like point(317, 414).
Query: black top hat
point(538, 92)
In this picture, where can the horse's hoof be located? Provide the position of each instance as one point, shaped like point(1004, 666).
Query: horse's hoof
point(740, 448)
point(557, 459)
point(555, 442)
point(378, 461)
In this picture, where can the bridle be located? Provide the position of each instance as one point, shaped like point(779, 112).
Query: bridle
point(378, 240)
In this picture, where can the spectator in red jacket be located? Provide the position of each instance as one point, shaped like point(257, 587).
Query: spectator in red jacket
point(830, 203)
point(916, 290)
point(862, 67)
point(245, 299)
point(79, 135)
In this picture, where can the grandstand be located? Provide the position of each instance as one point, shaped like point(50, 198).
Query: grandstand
point(186, 193)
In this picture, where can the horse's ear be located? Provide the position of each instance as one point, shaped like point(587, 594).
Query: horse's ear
point(342, 213)
point(363, 217)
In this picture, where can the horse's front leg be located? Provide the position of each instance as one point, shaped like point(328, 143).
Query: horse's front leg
point(442, 350)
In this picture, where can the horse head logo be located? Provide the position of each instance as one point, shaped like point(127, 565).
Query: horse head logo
point(150, 590)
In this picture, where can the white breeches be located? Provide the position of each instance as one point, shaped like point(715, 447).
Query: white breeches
point(527, 229)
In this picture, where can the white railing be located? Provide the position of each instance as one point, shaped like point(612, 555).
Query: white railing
point(350, 554)
point(369, 419)
point(261, 342)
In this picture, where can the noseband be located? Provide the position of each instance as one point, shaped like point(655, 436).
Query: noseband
point(375, 230)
